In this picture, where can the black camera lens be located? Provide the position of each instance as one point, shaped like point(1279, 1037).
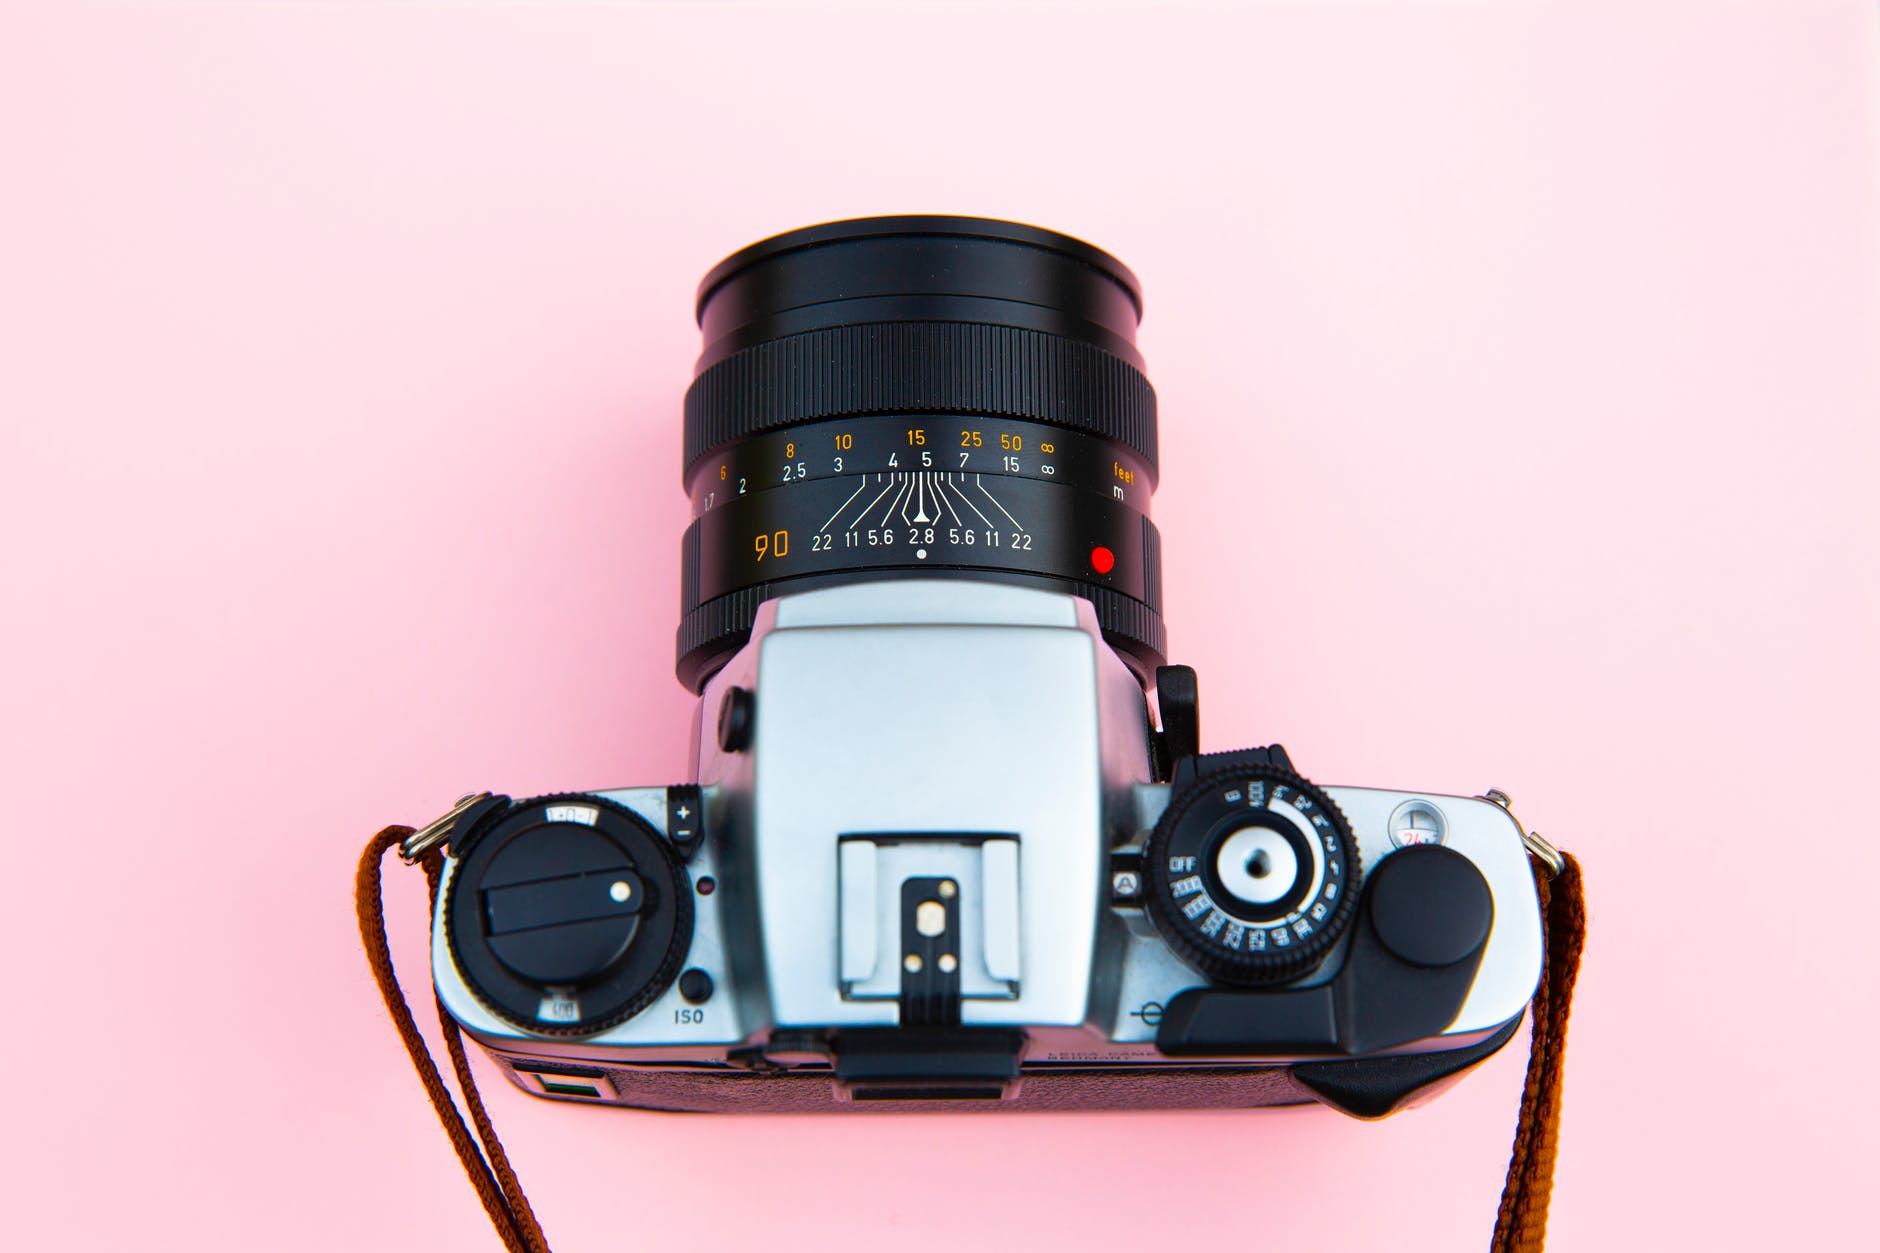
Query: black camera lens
point(932, 397)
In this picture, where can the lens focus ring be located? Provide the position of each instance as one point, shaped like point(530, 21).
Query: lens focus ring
point(919, 367)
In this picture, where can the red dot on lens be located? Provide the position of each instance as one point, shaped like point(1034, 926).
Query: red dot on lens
point(707, 886)
point(1102, 560)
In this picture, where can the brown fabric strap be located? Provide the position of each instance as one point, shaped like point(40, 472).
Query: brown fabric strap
point(1521, 1226)
point(493, 1178)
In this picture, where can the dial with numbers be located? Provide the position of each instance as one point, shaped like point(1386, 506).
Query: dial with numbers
point(1252, 875)
point(958, 496)
point(936, 446)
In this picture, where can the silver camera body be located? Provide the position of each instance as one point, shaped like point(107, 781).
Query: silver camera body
point(936, 847)
point(985, 737)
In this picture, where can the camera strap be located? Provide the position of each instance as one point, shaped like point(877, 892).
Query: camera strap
point(1520, 1226)
point(488, 1167)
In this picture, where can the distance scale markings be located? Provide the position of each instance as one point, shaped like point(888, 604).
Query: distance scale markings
point(886, 444)
point(929, 492)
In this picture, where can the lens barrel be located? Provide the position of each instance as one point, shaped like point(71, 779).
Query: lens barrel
point(933, 397)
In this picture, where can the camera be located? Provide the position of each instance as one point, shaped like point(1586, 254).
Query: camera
point(950, 836)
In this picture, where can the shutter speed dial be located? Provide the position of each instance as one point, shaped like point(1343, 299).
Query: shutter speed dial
point(1253, 875)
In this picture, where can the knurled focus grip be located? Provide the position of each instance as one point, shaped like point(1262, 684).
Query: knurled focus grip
point(920, 367)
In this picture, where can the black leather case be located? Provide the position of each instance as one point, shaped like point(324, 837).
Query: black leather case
point(1361, 1087)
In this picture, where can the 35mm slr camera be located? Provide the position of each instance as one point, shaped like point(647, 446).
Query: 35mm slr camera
point(939, 844)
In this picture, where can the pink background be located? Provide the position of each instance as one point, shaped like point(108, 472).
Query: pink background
point(341, 352)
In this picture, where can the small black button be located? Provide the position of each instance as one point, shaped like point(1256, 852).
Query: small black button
point(695, 986)
point(685, 818)
point(1177, 695)
point(735, 715)
point(1126, 878)
point(1430, 905)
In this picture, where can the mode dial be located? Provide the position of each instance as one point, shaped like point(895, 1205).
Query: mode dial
point(567, 914)
point(1253, 874)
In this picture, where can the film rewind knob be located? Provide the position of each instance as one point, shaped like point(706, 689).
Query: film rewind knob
point(567, 914)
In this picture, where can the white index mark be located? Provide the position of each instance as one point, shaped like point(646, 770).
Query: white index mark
point(975, 508)
point(845, 504)
point(995, 500)
point(893, 503)
point(940, 491)
point(871, 504)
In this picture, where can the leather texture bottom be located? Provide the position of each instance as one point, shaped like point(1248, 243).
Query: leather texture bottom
point(816, 1091)
point(1361, 1087)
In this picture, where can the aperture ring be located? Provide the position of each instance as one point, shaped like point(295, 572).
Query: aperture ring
point(912, 367)
point(710, 632)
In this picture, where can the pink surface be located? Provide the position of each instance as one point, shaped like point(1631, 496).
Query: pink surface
point(341, 352)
